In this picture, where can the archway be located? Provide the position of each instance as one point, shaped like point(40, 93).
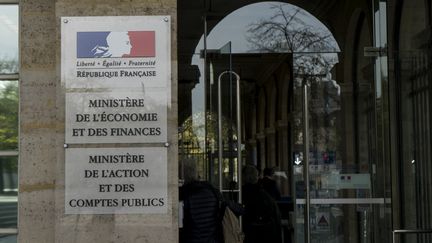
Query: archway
point(278, 49)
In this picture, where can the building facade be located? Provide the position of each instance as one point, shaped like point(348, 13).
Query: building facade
point(334, 93)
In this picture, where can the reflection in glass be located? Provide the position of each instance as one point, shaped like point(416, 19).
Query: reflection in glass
point(195, 138)
point(324, 114)
point(289, 28)
point(8, 165)
point(8, 115)
point(8, 238)
point(334, 174)
point(9, 39)
point(275, 48)
point(329, 221)
point(8, 191)
point(416, 166)
point(269, 27)
point(266, 27)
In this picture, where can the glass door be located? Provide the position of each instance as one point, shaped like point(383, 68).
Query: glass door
point(413, 158)
point(335, 148)
point(341, 174)
point(223, 122)
point(312, 112)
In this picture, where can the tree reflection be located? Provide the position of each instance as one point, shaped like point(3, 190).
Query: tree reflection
point(9, 116)
point(8, 134)
point(8, 65)
point(290, 29)
point(198, 135)
point(194, 129)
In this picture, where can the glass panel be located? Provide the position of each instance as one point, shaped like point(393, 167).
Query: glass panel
point(415, 163)
point(8, 192)
point(347, 112)
point(9, 39)
point(413, 80)
point(8, 120)
point(269, 27)
point(383, 142)
point(343, 163)
point(417, 172)
point(329, 223)
point(8, 115)
point(218, 62)
point(192, 118)
point(8, 238)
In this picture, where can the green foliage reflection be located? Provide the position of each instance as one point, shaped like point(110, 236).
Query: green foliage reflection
point(9, 115)
point(8, 135)
point(8, 65)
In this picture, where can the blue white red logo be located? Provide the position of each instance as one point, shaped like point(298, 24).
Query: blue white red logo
point(106, 44)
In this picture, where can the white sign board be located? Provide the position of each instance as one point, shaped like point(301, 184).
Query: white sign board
point(346, 181)
point(116, 180)
point(116, 72)
point(132, 117)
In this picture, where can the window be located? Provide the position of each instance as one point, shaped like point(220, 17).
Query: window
point(9, 99)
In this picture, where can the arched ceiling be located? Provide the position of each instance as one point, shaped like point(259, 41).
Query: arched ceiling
point(334, 14)
point(191, 14)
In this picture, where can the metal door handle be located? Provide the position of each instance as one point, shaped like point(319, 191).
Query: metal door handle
point(239, 163)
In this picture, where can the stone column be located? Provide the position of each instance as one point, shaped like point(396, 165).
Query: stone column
point(271, 147)
point(284, 155)
point(251, 148)
point(348, 156)
point(347, 123)
point(38, 122)
point(261, 138)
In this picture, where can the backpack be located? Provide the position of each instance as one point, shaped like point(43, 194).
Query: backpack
point(232, 233)
point(262, 218)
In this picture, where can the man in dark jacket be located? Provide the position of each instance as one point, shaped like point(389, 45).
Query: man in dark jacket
point(201, 207)
point(269, 184)
point(261, 221)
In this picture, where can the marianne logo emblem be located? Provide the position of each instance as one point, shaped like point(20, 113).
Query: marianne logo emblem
point(116, 44)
